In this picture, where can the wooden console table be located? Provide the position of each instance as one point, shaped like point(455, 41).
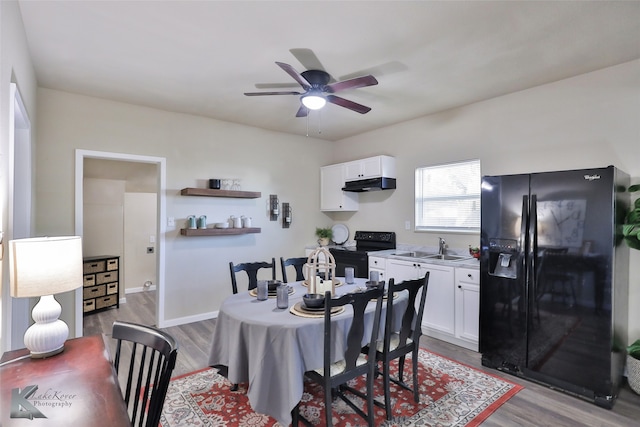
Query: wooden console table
point(77, 387)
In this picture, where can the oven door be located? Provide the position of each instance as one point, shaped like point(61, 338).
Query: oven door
point(358, 260)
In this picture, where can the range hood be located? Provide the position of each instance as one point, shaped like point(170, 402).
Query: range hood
point(370, 184)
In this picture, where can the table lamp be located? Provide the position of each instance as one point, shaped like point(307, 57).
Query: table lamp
point(42, 267)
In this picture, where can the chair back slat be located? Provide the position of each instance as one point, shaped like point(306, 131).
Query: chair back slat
point(251, 268)
point(151, 356)
point(356, 334)
point(411, 318)
point(298, 263)
point(408, 334)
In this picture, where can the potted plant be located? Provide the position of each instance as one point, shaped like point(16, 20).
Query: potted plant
point(633, 366)
point(631, 233)
point(324, 236)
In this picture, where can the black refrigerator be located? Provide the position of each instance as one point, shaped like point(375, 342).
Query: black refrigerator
point(554, 279)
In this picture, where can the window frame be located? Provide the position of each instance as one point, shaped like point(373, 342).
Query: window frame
point(420, 199)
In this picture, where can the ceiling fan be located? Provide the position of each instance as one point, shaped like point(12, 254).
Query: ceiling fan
point(318, 91)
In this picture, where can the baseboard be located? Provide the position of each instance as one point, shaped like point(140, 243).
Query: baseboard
point(190, 319)
point(140, 289)
point(473, 346)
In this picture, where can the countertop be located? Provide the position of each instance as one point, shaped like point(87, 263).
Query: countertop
point(469, 262)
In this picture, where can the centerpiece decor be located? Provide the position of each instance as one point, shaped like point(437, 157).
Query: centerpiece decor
point(320, 271)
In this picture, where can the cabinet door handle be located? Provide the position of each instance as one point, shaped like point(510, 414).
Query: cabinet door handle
point(469, 275)
point(459, 286)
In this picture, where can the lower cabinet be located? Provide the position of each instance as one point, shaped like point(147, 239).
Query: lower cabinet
point(439, 310)
point(468, 307)
point(452, 308)
point(378, 264)
point(101, 283)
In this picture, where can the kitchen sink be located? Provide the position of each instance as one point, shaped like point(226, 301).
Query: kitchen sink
point(447, 257)
point(413, 254)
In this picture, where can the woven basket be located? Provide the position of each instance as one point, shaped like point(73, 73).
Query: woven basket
point(633, 373)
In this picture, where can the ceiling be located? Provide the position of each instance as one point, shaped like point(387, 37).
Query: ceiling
point(199, 57)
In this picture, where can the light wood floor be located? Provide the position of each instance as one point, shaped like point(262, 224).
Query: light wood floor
point(533, 406)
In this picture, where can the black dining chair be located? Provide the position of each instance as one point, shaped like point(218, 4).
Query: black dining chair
point(147, 356)
point(402, 340)
point(251, 268)
point(351, 364)
point(298, 263)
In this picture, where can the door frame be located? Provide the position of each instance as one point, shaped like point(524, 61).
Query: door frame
point(160, 227)
point(16, 311)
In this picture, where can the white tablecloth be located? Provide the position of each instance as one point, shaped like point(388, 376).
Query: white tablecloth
point(271, 348)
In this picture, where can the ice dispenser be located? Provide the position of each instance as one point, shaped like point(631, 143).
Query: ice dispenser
point(503, 258)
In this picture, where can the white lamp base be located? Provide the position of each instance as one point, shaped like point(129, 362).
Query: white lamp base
point(46, 337)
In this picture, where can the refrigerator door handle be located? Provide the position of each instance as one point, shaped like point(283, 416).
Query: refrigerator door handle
point(523, 224)
point(533, 242)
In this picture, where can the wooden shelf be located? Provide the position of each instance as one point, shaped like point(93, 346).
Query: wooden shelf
point(208, 192)
point(218, 231)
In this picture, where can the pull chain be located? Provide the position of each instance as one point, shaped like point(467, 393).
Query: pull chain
point(319, 122)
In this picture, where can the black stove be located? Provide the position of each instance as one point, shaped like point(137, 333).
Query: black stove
point(357, 256)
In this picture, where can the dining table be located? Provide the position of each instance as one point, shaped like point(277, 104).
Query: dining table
point(271, 348)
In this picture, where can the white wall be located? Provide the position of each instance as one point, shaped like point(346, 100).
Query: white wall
point(196, 149)
point(140, 224)
point(592, 120)
point(15, 67)
point(103, 218)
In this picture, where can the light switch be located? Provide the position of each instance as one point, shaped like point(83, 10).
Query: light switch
point(171, 222)
point(407, 225)
point(152, 239)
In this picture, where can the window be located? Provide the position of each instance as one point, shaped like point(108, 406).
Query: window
point(448, 197)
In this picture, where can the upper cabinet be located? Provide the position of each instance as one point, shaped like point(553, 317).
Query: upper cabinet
point(333, 178)
point(372, 167)
point(332, 198)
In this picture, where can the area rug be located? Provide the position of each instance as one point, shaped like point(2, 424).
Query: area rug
point(451, 394)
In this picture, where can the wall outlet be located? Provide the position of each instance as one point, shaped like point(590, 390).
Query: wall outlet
point(407, 225)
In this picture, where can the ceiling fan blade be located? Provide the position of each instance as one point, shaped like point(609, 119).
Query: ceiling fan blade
point(352, 84)
point(296, 75)
point(302, 111)
point(308, 59)
point(291, 85)
point(271, 93)
point(354, 106)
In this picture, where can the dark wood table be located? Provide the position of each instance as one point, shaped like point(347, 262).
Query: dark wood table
point(77, 387)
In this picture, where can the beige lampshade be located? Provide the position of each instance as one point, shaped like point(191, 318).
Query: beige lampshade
point(45, 265)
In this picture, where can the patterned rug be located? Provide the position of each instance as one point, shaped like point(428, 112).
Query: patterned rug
point(451, 394)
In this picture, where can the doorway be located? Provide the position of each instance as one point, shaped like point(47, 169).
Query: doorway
point(127, 178)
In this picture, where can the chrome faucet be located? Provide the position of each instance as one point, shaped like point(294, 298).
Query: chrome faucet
point(441, 247)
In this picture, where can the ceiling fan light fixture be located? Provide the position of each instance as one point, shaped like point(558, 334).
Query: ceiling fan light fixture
point(313, 101)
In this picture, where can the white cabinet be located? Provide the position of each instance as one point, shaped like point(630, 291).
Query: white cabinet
point(468, 306)
point(372, 167)
point(452, 306)
point(401, 270)
point(332, 198)
point(439, 316)
point(439, 310)
point(378, 264)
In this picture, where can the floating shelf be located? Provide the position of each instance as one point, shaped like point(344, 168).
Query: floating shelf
point(207, 192)
point(218, 231)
